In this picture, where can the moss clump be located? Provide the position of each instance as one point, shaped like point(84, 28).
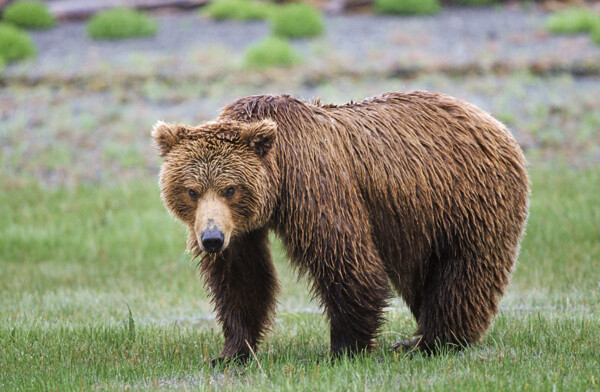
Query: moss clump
point(297, 20)
point(14, 44)
point(238, 10)
point(272, 52)
point(476, 2)
point(407, 7)
point(119, 23)
point(29, 14)
point(572, 21)
point(595, 34)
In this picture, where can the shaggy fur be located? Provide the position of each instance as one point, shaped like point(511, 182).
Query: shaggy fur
point(421, 190)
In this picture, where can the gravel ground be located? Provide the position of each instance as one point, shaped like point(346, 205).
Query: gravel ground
point(82, 110)
point(457, 37)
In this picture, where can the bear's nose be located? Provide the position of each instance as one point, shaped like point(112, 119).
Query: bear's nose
point(212, 240)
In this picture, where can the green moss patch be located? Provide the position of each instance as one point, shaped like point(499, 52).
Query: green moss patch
point(14, 44)
point(29, 14)
point(298, 20)
point(238, 10)
point(120, 23)
point(572, 21)
point(407, 7)
point(272, 52)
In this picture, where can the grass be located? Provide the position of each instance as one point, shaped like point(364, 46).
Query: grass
point(562, 235)
point(15, 44)
point(297, 20)
point(271, 52)
point(238, 10)
point(73, 261)
point(120, 23)
point(407, 7)
point(573, 20)
point(29, 14)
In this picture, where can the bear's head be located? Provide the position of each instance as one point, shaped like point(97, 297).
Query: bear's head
point(217, 178)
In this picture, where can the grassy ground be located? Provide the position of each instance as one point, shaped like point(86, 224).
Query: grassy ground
point(95, 293)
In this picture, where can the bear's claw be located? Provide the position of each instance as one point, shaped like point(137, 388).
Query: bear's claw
point(225, 360)
point(406, 345)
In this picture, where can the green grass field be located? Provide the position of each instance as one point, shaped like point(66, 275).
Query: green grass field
point(97, 294)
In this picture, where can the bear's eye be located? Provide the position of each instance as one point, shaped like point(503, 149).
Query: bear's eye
point(229, 192)
point(193, 194)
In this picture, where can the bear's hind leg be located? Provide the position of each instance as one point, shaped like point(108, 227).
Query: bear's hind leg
point(460, 298)
point(242, 282)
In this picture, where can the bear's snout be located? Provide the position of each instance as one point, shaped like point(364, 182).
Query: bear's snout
point(212, 240)
point(213, 226)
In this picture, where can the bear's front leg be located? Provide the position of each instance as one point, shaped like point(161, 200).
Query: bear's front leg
point(243, 283)
point(353, 289)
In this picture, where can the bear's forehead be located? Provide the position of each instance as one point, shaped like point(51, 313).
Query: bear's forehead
point(205, 158)
point(215, 132)
point(213, 138)
point(208, 174)
point(213, 161)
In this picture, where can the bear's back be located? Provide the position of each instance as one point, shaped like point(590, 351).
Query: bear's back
point(413, 154)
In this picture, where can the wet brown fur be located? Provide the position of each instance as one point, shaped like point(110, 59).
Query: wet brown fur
point(420, 189)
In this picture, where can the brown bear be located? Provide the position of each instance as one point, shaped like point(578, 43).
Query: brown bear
point(420, 190)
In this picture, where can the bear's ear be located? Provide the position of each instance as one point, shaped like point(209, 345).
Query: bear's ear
point(260, 136)
point(166, 136)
